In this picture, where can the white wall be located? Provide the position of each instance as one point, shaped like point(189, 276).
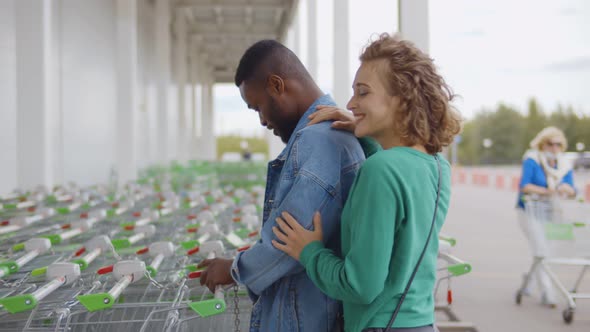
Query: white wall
point(88, 89)
point(147, 130)
point(7, 98)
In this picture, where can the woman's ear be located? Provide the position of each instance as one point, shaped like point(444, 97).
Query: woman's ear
point(275, 85)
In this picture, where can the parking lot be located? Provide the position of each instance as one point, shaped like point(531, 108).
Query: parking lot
point(483, 221)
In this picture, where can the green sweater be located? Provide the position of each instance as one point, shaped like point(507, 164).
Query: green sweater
point(385, 223)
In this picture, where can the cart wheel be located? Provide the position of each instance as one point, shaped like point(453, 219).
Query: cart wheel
point(568, 315)
point(518, 297)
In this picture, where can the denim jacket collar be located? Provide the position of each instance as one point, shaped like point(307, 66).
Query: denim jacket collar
point(303, 121)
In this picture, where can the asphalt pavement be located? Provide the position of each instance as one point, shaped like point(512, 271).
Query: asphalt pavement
point(483, 221)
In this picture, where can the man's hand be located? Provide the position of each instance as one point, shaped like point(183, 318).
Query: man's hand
point(217, 273)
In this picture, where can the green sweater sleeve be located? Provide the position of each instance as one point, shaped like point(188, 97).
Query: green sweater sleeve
point(359, 277)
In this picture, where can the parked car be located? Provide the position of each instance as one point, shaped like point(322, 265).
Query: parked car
point(582, 161)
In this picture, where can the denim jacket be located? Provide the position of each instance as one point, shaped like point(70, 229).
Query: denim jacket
point(313, 173)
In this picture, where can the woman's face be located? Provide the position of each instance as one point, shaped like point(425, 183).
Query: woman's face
point(372, 106)
point(553, 146)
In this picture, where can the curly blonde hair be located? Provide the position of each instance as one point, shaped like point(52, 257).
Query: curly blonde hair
point(549, 134)
point(425, 115)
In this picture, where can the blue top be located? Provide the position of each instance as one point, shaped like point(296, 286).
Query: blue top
point(532, 173)
point(314, 172)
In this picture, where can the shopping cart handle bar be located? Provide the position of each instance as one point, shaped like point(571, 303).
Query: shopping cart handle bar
point(38, 272)
point(8, 268)
point(83, 262)
point(208, 307)
point(142, 251)
point(193, 268)
point(193, 251)
point(457, 267)
point(95, 302)
point(189, 244)
point(105, 270)
point(80, 251)
point(54, 238)
point(450, 240)
point(20, 303)
point(9, 229)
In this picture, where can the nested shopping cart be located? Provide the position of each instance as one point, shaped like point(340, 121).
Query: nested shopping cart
point(449, 267)
point(560, 236)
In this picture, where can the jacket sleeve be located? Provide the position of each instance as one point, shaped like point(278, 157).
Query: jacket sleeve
point(262, 265)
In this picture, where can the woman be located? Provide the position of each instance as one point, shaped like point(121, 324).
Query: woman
point(399, 198)
point(545, 172)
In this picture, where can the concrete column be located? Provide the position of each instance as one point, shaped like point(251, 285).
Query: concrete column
point(312, 39)
point(181, 83)
point(8, 178)
point(413, 22)
point(342, 81)
point(208, 146)
point(127, 90)
point(37, 93)
point(296, 28)
point(162, 35)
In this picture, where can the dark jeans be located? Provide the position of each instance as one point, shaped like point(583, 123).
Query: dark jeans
point(427, 328)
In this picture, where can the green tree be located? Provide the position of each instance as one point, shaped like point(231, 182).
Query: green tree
point(502, 127)
point(534, 122)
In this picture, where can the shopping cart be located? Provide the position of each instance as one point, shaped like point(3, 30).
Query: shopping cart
point(560, 235)
point(449, 268)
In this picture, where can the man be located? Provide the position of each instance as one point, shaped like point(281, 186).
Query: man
point(313, 173)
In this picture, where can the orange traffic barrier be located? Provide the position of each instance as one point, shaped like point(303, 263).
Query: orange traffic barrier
point(499, 181)
point(515, 183)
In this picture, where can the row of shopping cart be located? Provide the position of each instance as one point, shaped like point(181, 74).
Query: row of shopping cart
point(97, 259)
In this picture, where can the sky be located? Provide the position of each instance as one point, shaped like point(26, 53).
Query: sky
point(489, 51)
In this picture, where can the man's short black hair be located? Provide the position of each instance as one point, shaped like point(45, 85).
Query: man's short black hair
point(267, 57)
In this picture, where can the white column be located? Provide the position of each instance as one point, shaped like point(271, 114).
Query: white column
point(8, 180)
point(198, 103)
point(312, 39)
point(208, 146)
point(162, 35)
point(296, 28)
point(37, 87)
point(126, 128)
point(342, 81)
point(181, 83)
point(413, 22)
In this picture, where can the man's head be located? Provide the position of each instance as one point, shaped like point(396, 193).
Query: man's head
point(271, 78)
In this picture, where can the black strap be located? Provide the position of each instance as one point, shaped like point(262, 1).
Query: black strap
point(401, 300)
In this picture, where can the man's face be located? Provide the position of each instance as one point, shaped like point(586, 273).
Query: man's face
point(271, 114)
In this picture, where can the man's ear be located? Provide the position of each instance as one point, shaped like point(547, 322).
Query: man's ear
point(275, 85)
